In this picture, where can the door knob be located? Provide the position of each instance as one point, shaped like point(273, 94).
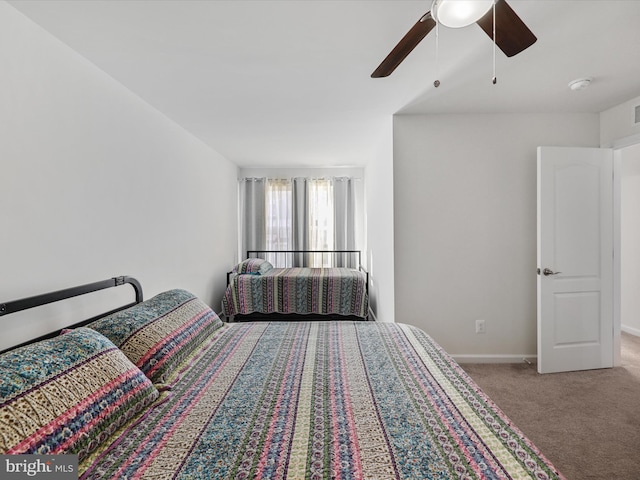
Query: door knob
point(547, 271)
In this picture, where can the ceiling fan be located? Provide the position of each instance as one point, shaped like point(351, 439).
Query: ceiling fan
point(512, 36)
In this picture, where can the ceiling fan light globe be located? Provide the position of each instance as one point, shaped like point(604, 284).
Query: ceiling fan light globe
point(460, 13)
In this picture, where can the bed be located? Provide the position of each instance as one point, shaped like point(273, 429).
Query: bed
point(164, 389)
point(302, 284)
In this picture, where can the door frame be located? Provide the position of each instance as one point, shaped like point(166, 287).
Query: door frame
point(618, 145)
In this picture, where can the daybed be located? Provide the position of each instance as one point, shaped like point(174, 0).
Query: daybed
point(164, 389)
point(255, 288)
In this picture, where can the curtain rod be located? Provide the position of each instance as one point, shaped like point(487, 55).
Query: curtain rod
point(251, 179)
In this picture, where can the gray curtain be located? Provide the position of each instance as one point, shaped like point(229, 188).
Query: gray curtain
point(344, 201)
point(252, 210)
point(300, 220)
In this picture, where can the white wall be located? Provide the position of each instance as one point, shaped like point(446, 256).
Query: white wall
point(465, 225)
point(96, 183)
point(379, 227)
point(619, 130)
point(630, 240)
point(619, 122)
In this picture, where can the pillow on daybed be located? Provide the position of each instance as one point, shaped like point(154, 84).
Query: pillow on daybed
point(157, 335)
point(256, 266)
point(68, 394)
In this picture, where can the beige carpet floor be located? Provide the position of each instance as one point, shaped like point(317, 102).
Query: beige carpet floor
point(586, 423)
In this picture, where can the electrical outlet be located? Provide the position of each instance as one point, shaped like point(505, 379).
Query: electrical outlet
point(480, 326)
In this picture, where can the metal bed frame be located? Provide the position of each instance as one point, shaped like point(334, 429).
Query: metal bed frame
point(333, 254)
point(14, 306)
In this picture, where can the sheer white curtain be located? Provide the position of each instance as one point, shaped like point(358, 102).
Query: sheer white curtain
point(279, 207)
point(320, 224)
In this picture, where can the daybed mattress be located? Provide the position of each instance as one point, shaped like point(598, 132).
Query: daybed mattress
point(313, 400)
point(339, 291)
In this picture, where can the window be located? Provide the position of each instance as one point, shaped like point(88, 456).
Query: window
point(320, 218)
point(317, 219)
point(278, 215)
point(298, 214)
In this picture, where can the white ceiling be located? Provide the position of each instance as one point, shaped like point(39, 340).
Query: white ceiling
point(287, 83)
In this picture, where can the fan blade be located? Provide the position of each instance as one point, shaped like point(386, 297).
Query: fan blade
point(512, 35)
point(405, 46)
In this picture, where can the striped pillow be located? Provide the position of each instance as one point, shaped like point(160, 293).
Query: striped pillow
point(256, 266)
point(68, 394)
point(159, 334)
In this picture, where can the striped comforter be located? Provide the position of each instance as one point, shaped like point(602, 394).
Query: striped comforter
point(340, 291)
point(313, 400)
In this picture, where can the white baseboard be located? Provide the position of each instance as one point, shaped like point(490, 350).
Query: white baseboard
point(495, 358)
point(630, 330)
point(520, 358)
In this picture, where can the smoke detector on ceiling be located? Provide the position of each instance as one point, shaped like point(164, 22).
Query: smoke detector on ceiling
point(580, 83)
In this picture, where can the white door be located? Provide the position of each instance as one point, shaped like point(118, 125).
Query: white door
point(575, 259)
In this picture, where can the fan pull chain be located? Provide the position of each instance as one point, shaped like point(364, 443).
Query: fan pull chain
point(494, 80)
point(436, 83)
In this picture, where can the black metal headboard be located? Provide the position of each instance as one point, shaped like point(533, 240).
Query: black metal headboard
point(45, 298)
point(334, 258)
